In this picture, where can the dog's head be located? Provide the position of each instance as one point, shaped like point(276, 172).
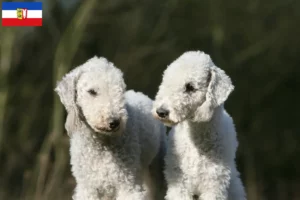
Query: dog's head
point(191, 89)
point(93, 94)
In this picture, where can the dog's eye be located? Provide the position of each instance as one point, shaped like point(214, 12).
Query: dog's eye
point(92, 92)
point(189, 88)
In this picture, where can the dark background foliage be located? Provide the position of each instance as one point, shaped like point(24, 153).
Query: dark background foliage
point(256, 42)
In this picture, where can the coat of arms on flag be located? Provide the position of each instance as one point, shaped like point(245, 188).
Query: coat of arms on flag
point(22, 14)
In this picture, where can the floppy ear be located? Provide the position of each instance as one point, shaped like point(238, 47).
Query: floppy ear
point(218, 90)
point(73, 122)
point(66, 92)
point(66, 89)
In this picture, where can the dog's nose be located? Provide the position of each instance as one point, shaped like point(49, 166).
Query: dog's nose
point(114, 123)
point(161, 112)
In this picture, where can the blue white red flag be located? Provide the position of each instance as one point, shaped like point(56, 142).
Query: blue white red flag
point(22, 14)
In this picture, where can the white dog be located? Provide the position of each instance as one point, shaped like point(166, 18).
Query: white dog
point(200, 160)
point(114, 139)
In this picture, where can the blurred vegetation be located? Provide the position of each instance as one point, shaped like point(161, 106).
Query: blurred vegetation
point(256, 42)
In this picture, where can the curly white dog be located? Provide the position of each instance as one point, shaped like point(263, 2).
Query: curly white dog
point(200, 160)
point(115, 142)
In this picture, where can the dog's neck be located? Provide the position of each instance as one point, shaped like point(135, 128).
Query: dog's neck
point(204, 134)
point(218, 111)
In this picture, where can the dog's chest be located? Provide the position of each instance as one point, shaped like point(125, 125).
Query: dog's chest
point(102, 168)
point(193, 159)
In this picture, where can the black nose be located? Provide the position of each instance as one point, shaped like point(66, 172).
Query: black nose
point(114, 123)
point(161, 112)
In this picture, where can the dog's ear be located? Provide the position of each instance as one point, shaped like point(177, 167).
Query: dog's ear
point(66, 89)
point(73, 122)
point(219, 88)
point(66, 92)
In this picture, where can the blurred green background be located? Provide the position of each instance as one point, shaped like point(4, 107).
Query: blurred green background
point(257, 43)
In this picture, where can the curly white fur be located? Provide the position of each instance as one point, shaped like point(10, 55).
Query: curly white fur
point(109, 162)
point(200, 160)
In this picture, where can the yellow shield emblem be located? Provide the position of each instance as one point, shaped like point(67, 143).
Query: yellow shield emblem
point(19, 13)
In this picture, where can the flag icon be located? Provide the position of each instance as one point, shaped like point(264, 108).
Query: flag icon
point(22, 13)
